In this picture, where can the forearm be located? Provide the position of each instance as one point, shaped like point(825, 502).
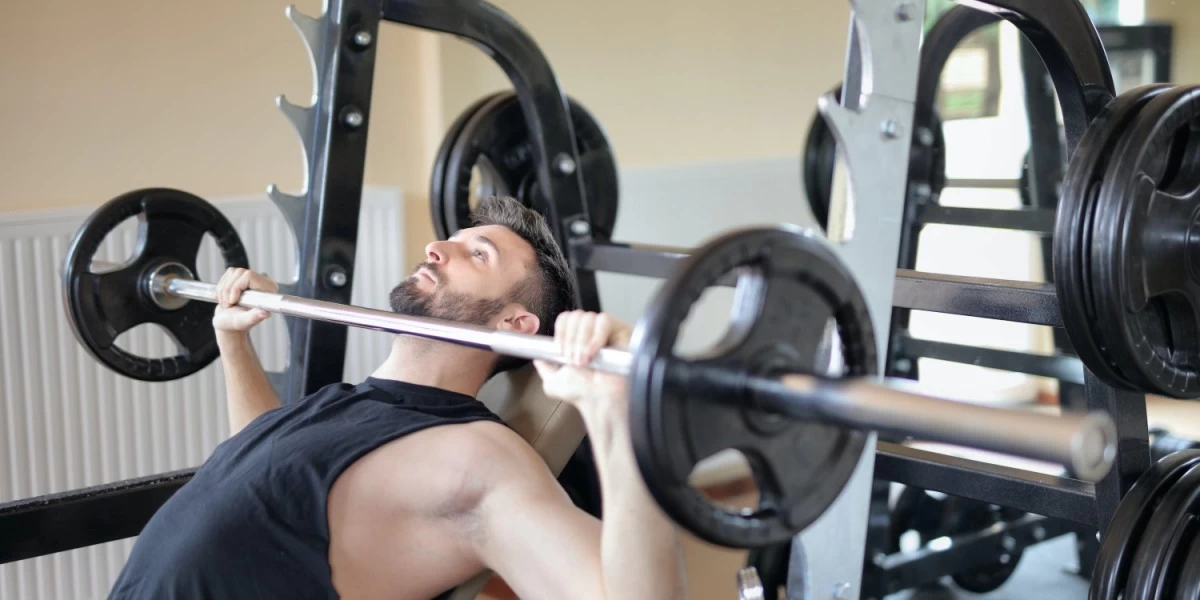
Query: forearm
point(641, 553)
point(248, 391)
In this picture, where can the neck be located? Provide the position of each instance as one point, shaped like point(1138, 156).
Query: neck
point(432, 363)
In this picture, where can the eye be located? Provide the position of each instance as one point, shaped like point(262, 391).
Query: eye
point(480, 254)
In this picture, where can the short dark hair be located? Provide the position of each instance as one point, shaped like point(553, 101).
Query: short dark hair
point(550, 289)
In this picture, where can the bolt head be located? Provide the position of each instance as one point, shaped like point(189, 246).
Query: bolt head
point(925, 136)
point(1039, 533)
point(337, 278)
point(565, 164)
point(353, 118)
point(580, 228)
point(362, 39)
point(890, 129)
point(841, 591)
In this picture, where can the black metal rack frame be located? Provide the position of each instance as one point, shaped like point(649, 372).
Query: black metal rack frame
point(1060, 505)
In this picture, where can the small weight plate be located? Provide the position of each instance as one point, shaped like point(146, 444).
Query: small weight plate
point(791, 286)
point(102, 306)
point(495, 139)
point(1156, 562)
point(817, 164)
point(437, 179)
point(926, 165)
point(1125, 531)
point(1147, 279)
point(1073, 232)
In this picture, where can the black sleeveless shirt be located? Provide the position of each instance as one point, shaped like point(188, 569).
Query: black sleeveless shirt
point(251, 523)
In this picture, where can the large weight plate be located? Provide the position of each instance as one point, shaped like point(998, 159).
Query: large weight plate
point(102, 306)
point(1125, 531)
point(1147, 279)
point(491, 139)
point(1162, 547)
point(1073, 235)
point(683, 410)
point(1188, 587)
point(442, 227)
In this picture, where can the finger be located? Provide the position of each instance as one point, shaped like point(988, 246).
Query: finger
point(234, 275)
point(545, 369)
point(581, 335)
point(222, 283)
point(242, 283)
point(601, 330)
point(562, 326)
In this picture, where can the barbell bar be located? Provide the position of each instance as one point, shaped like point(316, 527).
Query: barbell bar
point(1084, 442)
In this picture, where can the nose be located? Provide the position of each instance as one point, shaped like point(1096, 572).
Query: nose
point(438, 252)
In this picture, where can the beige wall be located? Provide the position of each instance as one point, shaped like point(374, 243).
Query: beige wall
point(676, 81)
point(101, 98)
point(1185, 16)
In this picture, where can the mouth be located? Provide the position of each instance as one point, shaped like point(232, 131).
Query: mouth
point(424, 273)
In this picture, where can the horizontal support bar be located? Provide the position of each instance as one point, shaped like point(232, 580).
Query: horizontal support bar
point(1034, 220)
point(1038, 493)
point(84, 517)
point(1055, 366)
point(645, 260)
point(1000, 299)
point(984, 184)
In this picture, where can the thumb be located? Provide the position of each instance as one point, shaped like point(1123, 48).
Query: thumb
point(545, 369)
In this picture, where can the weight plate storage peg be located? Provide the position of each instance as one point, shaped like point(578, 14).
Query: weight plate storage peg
point(171, 226)
point(790, 288)
point(1074, 235)
point(492, 140)
point(1146, 250)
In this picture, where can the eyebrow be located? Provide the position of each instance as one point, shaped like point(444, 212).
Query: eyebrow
point(488, 242)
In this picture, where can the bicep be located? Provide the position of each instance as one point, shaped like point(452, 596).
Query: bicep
point(541, 544)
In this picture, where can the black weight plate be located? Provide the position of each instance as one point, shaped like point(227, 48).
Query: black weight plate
point(437, 179)
point(926, 166)
point(1073, 232)
point(1120, 542)
point(969, 516)
point(772, 564)
point(1146, 279)
point(1158, 554)
point(1188, 587)
point(496, 140)
point(102, 306)
point(685, 410)
point(818, 163)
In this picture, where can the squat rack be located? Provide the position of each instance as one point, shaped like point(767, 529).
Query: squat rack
point(334, 133)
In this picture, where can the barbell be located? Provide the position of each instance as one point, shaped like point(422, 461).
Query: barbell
point(764, 389)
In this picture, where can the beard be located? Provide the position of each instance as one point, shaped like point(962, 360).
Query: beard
point(407, 299)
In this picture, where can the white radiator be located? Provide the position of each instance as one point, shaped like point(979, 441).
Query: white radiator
point(69, 422)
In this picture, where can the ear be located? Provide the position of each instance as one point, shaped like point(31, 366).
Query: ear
point(520, 321)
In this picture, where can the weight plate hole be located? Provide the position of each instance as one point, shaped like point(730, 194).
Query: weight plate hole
point(726, 480)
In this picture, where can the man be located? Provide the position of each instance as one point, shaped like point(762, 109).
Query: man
point(405, 485)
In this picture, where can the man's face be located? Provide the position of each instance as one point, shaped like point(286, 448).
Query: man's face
point(468, 278)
